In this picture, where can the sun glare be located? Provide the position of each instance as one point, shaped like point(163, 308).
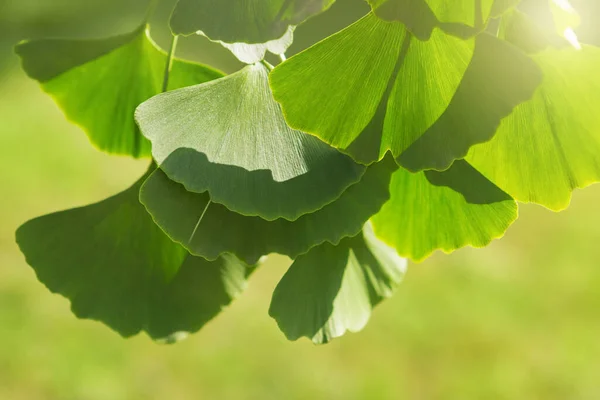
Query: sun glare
point(565, 5)
point(571, 37)
point(566, 19)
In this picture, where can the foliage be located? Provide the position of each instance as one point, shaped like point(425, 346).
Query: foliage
point(416, 128)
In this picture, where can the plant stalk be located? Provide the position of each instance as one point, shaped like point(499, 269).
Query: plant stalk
point(169, 65)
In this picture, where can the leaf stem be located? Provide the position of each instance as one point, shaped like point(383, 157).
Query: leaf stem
point(169, 65)
point(266, 64)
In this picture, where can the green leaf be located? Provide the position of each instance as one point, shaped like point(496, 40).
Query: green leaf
point(99, 83)
point(333, 289)
point(333, 89)
point(421, 17)
point(443, 210)
point(499, 78)
point(243, 21)
point(209, 229)
point(550, 144)
point(118, 267)
point(370, 89)
point(228, 137)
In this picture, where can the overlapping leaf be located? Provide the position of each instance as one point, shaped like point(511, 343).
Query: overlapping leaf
point(228, 137)
point(209, 229)
point(463, 17)
point(443, 210)
point(243, 21)
point(498, 79)
point(370, 89)
point(236, 182)
point(99, 83)
point(333, 289)
point(249, 28)
point(253, 53)
point(118, 267)
point(550, 145)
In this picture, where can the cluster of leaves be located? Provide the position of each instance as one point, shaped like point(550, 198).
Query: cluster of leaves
point(416, 128)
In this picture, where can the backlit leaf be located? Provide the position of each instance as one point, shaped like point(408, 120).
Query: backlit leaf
point(499, 78)
point(118, 267)
point(421, 17)
point(99, 83)
point(333, 289)
point(370, 89)
point(229, 138)
point(443, 210)
point(550, 145)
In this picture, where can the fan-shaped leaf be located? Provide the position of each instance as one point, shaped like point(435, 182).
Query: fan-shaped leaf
point(99, 83)
point(253, 53)
point(463, 17)
point(499, 78)
point(333, 289)
point(118, 267)
point(243, 21)
point(443, 210)
point(334, 88)
point(550, 145)
point(370, 89)
point(229, 137)
point(209, 229)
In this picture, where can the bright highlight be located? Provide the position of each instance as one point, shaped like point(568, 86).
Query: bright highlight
point(571, 37)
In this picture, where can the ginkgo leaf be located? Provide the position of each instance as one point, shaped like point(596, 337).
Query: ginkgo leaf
point(421, 17)
point(228, 137)
point(499, 78)
point(209, 229)
point(370, 89)
point(550, 145)
point(99, 83)
point(243, 21)
point(118, 267)
point(443, 210)
point(253, 53)
point(333, 289)
point(333, 89)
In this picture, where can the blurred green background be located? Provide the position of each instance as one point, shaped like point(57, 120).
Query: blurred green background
point(517, 320)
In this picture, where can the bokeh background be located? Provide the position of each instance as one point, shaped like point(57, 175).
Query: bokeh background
point(517, 320)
